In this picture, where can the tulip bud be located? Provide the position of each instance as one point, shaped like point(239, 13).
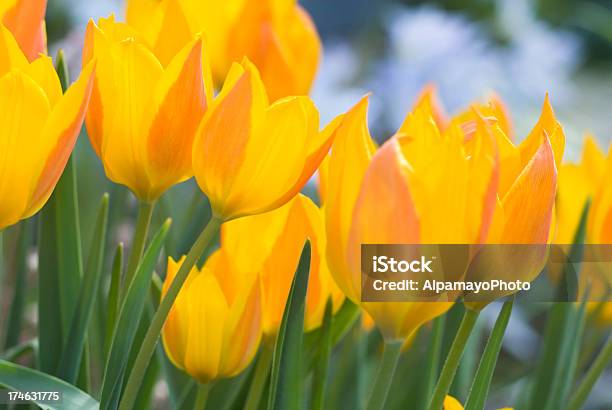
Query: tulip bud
point(40, 128)
point(214, 327)
point(250, 157)
point(281, 235)
point(143, 117)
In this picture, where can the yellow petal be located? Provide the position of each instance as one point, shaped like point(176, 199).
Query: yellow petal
point(24, 109)
point(59, 136)
point(173, 33)
point(181, 99)
point(348, 162)
point(126, 82)
point(529, 202)
point(207, 317)
point(11, 55)
point(221, 142)
point(451, 403)
point(43, 72)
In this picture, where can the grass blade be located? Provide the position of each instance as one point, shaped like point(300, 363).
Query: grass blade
point(112, 303)
point(322, 362)
point(286, 377)
point(480, 387)
point(130, 313)
point(19, 378)
point(73, 349)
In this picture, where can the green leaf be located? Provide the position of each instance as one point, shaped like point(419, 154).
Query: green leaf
point(600, 364)
point(112, 304)
point(73, 349)
point(568, 286)
point(15, 316)
point(19, 378)
point(286, 377)
point(321, 369)
point(482, 382)
point(431, 361)
point(60, 260)
point(129, 315)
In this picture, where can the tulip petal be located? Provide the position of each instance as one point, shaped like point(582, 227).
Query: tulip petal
point(173, 32)
point(529, 202)
point(182, 103)
point(349, 159)
point(43, 72)
point(242, 329)
point(221, 144)
point(207, 317)
point(11, 55)
point(547, 125)
point(27, 22)
point(126, 83)
point(59, 136)
point(23, 111)
point(274, 158)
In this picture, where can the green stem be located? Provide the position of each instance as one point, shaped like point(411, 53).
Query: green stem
point(202, 396)
point(157, 322)
point(260, 377)
point(599, 365)
point(143, 221)
point(452, 360)
point(432, 360)
point(384, 377)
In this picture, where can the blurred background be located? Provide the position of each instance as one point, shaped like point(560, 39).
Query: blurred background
point(519, 49)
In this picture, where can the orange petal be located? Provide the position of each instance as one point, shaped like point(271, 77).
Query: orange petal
point(26, 21)
point(528, 205)
point(182, 103)
point(60, 133)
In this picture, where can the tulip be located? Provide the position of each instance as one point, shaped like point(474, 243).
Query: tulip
point(278, 36)
point(214, 328)
point(40, 128)
point(143, 117)
point(26, 20)
point(250, 157)
point(589, 179)
point(281, 235)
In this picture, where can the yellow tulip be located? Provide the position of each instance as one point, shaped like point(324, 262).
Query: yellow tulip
point(214, 327)
point(26, 20)
point(281, 235)
point(40, 128)
point(143, 116)
point(250, 157)
point(277, 35)
point(578, 183)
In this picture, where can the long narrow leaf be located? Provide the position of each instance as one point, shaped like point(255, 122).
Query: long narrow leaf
point(19, 378)
point(480, 387)
point(112, 303)
point(129, 315)
point(286, 377)
point(73, 349)
point(322, 363)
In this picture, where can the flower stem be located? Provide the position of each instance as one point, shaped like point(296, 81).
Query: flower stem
point(262, 371)
point(384, 377)
point(202, 396)
point(159, 318)
point(452, 360)
point(143, 221)
point(599, 365)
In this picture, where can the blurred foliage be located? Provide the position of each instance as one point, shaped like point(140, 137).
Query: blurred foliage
point(592, 19)
point(59, 20)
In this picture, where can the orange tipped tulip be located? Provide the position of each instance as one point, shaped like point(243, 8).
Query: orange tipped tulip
point(26, 20)
point(281, 235)
point(40, 128)
point(214, 327)
point(278, 36)
point(250, 156)
point(143, 116)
